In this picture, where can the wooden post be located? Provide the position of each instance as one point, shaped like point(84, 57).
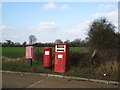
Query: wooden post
point(30, 62)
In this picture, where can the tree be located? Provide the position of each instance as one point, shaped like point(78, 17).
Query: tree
point(9, 43)
point(24, 43)
point(76, 42)
point(32, 39)
point(58, 41)
point(118, 40)
point(16, 43)
point(67, 41)
point(102, 34)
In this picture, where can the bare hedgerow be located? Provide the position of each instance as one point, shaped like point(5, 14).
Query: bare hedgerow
point(38, 55)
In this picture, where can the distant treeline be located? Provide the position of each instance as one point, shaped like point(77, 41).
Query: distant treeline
point(74, 43)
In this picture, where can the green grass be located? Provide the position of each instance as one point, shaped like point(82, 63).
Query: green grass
point(37, 67)
point(77, 49)
point(23, 65)
point(13, 51)
point(20, 51)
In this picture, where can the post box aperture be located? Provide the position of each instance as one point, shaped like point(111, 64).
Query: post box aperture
point(60, 48)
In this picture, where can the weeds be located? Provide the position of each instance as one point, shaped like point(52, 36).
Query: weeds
point(105, 65)
point(110, 68)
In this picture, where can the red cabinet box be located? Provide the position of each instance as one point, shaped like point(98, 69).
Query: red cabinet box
point(29, 52)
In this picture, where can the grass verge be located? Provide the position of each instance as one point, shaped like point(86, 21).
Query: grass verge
point(22, 65)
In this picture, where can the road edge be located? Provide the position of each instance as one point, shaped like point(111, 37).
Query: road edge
point(62, 76)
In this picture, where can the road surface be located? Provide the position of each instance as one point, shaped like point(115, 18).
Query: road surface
point(17, 80)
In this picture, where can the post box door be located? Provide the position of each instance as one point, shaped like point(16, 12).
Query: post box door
point(28, 52)
point(47, 57)
point(60, 62)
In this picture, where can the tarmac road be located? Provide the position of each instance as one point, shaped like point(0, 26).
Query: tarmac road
point(17, 80)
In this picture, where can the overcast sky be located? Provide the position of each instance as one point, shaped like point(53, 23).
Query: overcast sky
point(49, 21)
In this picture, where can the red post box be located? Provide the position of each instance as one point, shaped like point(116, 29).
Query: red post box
point(61, 57)
point(29, 52)
point(47, 57)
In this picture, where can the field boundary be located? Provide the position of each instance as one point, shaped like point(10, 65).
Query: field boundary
point(62, 76)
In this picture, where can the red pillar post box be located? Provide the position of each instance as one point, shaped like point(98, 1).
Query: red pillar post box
point(61, 57)
point(47, 57)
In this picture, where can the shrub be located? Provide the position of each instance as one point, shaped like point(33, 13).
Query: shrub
point(80, 59)
point(102, 34)
point(38, 55)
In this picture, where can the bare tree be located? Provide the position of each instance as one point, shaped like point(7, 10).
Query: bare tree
point(32, 39)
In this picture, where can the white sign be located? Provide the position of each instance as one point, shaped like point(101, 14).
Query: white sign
point(47, 53)
point(60, 56)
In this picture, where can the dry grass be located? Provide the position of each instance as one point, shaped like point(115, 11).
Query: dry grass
point(108, 69)
point(6, 59)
